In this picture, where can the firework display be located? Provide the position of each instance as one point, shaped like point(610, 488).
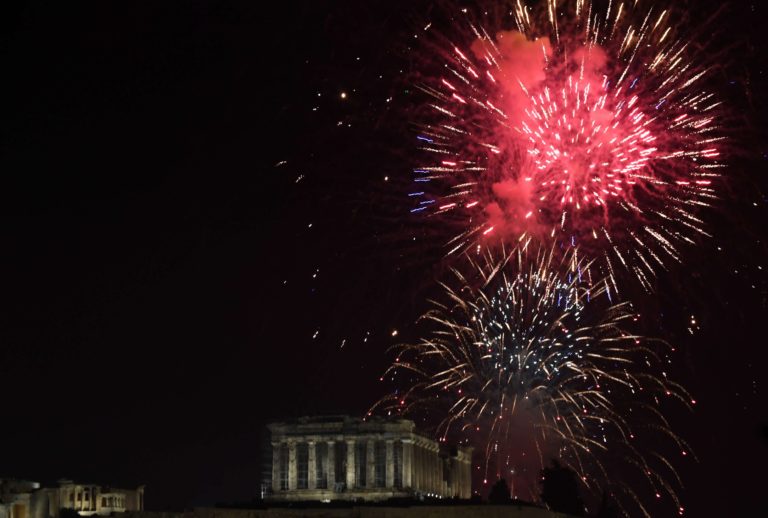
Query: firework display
point(584, 130)
point(587, 124)
point(526, 363)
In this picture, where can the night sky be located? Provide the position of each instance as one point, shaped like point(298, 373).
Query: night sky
point(200, 233)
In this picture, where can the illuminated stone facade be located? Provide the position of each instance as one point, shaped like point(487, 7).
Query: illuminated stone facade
point(90, 499)
point(23, 499)
point(16, 497)
point(343, 458)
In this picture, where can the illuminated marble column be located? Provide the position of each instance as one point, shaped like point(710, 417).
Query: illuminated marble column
point(431, 463)
point(331, 465)
point(437, 479)
point(426, 452)
point(430, 468)
point(424, 477)
point(275, 467)
point(418, 467)
point(442, 485)
point(390, 477)
point(350, 463)
point(291, 465)
point(370, 463)
point(407, 463)
point(467, 478)
point(312, 466)
point(468, 474)
point(441, 488)
point(414, 465)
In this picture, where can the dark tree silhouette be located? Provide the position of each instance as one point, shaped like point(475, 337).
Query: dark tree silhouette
point(499, 493)
point(560, 489)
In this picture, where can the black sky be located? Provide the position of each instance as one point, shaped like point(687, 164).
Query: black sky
point(169, 284)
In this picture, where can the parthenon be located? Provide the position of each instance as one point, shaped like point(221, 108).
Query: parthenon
point(339, 457)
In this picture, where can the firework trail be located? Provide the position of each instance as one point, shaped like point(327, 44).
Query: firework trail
point(586, 124)
point(521, 358)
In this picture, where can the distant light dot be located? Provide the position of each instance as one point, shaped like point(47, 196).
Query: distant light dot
point(343, 95)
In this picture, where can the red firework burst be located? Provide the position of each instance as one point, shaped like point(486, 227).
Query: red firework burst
point(590, 127)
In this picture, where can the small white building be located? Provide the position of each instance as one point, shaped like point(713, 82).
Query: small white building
point(25, 499)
